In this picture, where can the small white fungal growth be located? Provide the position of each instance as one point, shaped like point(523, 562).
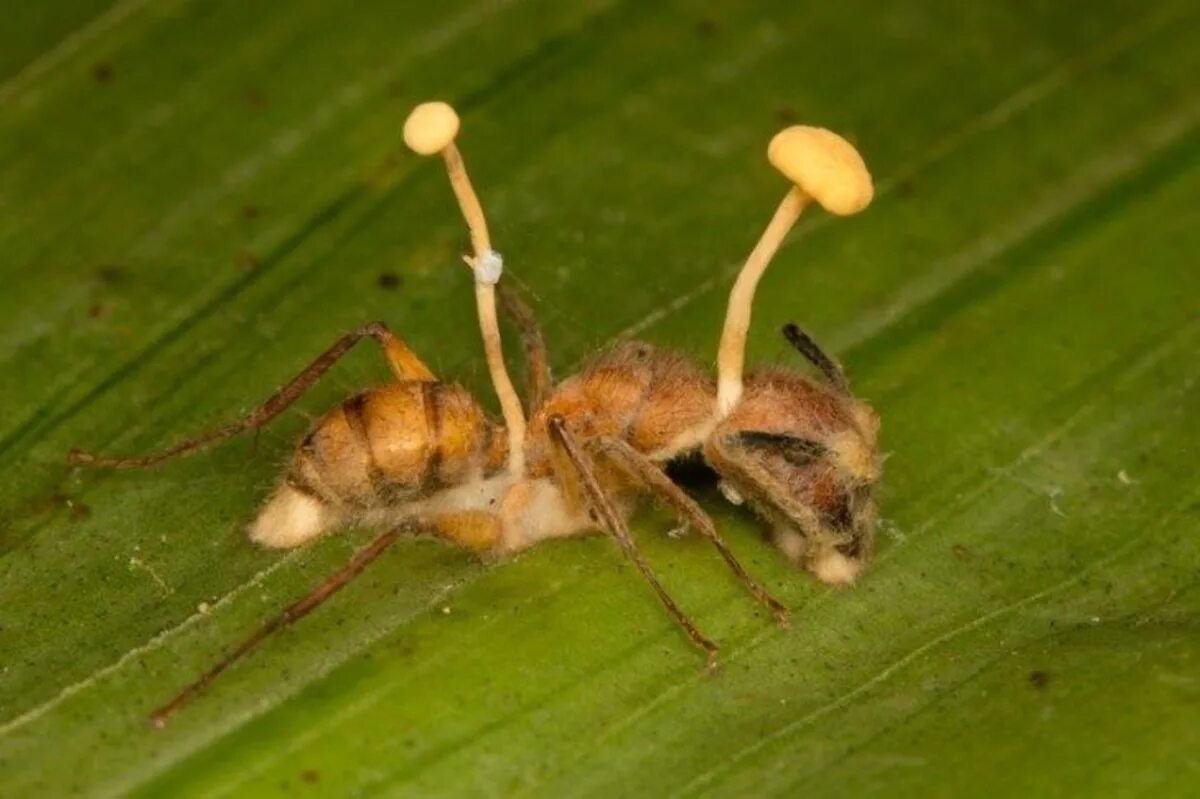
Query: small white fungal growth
point(791, 544)
point(290, 519)
point(834, 568)
point(430, 128)
point(822, 166)
point(489, 267)
point(730, 493)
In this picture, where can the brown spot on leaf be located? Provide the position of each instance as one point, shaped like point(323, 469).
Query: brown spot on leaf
point(50, 503)
point(1039, 679)
point(310, 776)
point(257, 99)
point(246, 259)
point(251, 212)
point(389, 281)
point(961, 552)
point(102, 72)
point(77, 511)
point(110, 274)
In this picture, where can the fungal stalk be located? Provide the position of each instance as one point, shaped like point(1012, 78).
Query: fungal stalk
point(431, 129)
point(822, 167)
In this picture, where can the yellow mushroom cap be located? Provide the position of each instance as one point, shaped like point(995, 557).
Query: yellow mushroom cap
point(430, 127)
point(825, 166)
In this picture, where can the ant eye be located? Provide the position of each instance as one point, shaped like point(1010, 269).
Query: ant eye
point(796, 450)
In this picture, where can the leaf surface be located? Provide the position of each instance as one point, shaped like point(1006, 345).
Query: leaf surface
point(199, 197)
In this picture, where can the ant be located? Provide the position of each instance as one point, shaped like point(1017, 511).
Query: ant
point(421, 455)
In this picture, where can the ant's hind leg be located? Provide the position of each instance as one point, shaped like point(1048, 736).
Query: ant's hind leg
point(292, 613)
point(655, 480)
point(613, 523)
point(537, 364)
point(403, 361)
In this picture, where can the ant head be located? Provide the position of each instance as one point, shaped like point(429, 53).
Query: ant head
point(804, 456)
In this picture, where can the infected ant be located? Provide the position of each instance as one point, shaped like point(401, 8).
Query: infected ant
point(420, 455)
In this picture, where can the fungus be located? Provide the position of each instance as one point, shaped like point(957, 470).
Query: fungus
point(823, 167)
point(431, 129)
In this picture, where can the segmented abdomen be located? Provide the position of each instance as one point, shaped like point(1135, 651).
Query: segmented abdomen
point(397, 443)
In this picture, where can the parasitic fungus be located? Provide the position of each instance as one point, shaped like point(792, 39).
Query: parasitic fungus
point(431, 129)
point(823, 167)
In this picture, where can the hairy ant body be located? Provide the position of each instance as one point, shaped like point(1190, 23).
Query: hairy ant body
point(421, 455)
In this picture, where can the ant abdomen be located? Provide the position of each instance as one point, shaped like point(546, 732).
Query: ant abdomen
point(384, 447)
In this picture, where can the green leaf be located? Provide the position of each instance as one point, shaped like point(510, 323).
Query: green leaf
point(199, 197)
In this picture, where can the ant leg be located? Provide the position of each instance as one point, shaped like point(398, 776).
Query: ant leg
point(780, 495)
point(803, 518)
point(805, 345)
point(294, 612)
point(612, 521)
point(404, 363)
point(655, 480)
point(537, 363)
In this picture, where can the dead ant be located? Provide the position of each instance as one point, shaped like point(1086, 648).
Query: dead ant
point(420, 455)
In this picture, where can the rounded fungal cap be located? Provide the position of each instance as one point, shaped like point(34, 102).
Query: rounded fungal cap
point(825, 166)
point(430, 127)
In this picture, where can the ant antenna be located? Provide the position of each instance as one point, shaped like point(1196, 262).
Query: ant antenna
point(823, 167)
point(431, 129)
point(805, 345)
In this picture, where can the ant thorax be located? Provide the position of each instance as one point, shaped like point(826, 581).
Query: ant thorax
point(660, 402)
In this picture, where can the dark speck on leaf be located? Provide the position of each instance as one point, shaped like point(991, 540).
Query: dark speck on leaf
point(310, 776)
point(1039, 679)
point(785, 115)
point(110, 273)
point(77, 511)
point(961, 552)
point(96, 311)
point(389, 281)
point(251, 212)
point(102, 72)
point(256, 99)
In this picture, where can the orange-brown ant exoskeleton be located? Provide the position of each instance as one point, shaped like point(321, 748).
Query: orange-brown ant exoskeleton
point(420, 455)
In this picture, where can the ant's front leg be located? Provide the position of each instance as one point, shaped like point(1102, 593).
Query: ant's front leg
point(403, 361)
point(656, 481)
point(614, 524)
